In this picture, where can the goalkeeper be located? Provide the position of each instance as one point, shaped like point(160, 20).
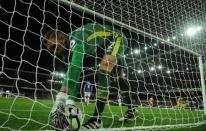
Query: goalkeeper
point(86, 40)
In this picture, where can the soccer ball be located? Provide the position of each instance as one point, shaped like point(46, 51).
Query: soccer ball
point(66, 118)
point(74, 117)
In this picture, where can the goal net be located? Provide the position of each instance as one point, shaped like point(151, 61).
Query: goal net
point(164, 68)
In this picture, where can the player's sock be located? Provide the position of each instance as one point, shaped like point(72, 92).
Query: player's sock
point(130, 113)
point(129, 104)
point(88, 100)
point(99, 109)
point(102, 93)
point(85, 99)
point(124, 86)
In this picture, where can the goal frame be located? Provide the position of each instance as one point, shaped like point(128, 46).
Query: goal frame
point(163, 41)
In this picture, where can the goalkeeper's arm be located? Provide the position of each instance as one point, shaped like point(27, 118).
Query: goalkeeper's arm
point(74, 71)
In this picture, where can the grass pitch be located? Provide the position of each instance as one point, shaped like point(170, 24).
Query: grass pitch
point(27, 114)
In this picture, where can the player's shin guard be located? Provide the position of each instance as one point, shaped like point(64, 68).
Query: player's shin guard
point(95, 122)
point(100, 104)
point(127, 98)
point(126, 94)
point(102, 97)
point(102, 93)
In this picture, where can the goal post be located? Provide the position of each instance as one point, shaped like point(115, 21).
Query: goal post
point(119, 23)
point(202, 83)
point(136, 30)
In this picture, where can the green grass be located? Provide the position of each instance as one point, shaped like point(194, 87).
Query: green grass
point(27, 114)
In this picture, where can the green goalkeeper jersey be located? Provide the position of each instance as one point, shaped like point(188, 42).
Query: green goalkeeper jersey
point(86, 40)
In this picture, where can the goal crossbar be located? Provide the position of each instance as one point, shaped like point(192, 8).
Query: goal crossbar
point(135, 30)
point(119, 23)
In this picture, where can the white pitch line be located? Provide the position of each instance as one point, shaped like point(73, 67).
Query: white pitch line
point(22, 110)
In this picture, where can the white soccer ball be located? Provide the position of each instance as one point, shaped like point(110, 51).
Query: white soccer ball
point(74, 117)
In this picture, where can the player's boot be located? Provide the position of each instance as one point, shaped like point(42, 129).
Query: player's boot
point(129, 115)
point(57, 116)
point(92, 123)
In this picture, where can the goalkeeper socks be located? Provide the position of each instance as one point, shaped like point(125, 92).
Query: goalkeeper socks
point(102, 93)
point(129, 104)
point(124, 86)
point(99, 109)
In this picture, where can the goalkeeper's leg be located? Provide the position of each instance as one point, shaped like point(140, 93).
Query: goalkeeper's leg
point(127, 98)
point(102, 93)
point(106, 66)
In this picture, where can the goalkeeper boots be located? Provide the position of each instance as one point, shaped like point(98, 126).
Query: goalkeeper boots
point(92, 123)
point(129, 115)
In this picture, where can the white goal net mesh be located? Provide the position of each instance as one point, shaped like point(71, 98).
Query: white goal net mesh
point(164, 62)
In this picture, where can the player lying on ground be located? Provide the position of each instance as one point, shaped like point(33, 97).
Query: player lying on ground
point(87, 40)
